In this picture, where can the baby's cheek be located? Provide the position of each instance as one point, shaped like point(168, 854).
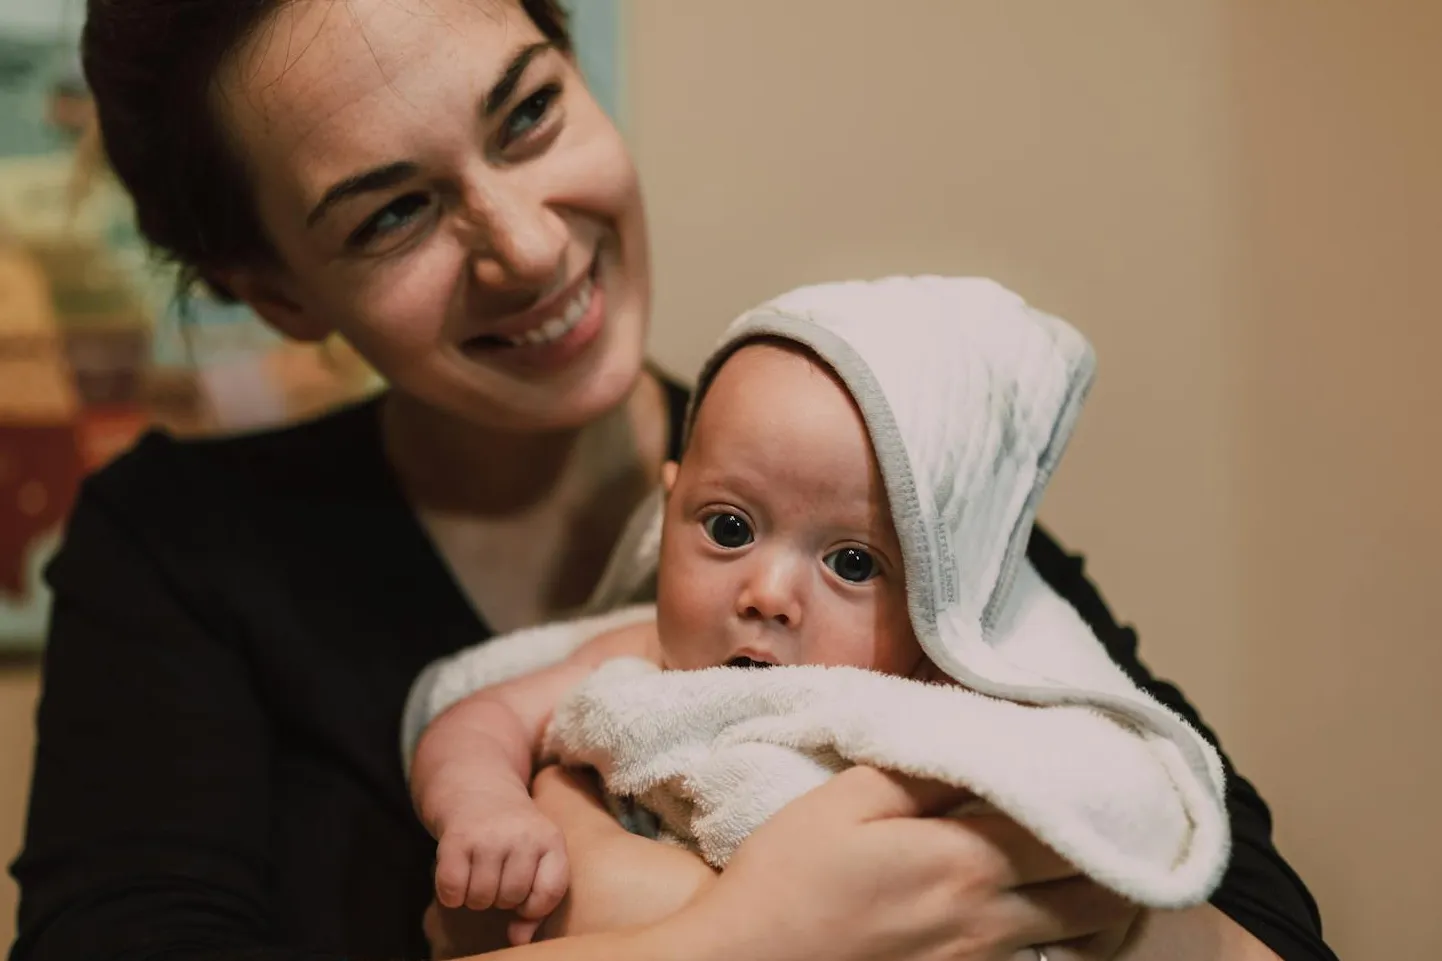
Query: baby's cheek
point(687, 648)
point(679, 629)
point(899, 653)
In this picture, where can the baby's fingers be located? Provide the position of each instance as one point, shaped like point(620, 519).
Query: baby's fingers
point(549, 887)
point(521, 932)
point(484, 891)
point(453, 874)
point(517, 876)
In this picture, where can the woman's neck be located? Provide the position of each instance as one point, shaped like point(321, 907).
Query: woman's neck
point(453, 466)
point(526, 522)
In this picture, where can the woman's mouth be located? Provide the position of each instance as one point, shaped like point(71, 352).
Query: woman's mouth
point(555, 337)
point(559, 325)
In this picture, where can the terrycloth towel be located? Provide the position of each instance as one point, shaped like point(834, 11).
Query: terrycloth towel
point(1045, 726)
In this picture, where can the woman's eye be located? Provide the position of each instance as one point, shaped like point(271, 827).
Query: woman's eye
point(728, 530)
point(394, 216)
point(529, 113)
point(852, 564)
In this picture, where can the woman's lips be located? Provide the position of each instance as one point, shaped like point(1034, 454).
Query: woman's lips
point(537, 328)
point(554, 340)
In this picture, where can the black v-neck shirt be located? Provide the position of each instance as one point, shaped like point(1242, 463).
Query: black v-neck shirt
point(236, 624)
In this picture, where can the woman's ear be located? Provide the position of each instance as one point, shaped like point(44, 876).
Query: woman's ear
point(668, 475)
point(266, 293)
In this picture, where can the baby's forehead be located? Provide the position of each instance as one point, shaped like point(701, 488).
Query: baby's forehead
point(777, 422)
point(778, 355)
point(776, 377)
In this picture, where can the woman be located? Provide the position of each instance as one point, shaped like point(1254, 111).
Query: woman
point(236, 621)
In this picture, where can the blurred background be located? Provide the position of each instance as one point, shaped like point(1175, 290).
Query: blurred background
point(1237, 200)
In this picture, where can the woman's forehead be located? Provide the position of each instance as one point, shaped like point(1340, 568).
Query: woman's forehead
point(342, 82)
point(381, 37)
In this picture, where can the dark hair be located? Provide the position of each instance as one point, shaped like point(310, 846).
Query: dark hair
point(150, 65)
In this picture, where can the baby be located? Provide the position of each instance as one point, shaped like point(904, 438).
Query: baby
point(859, 481)
point(777, 548)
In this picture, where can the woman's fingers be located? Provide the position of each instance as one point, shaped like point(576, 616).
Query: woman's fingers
point(1007, 853)
point(1014, 854)
point(861, 794)
point(988, 851)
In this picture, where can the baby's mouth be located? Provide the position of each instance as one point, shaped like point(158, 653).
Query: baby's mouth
point(747, 662)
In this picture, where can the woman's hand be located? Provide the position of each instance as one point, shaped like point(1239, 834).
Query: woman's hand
point(618, 880)
point(1201, 933)
point(851, 871)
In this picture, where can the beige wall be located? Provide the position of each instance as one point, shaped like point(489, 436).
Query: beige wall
point(1240, 203)
point(1340, 148)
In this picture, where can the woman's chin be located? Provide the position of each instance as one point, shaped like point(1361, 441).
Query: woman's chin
point(502, 404)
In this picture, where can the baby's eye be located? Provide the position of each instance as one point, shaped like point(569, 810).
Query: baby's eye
point(852, 564)
point(728, 530)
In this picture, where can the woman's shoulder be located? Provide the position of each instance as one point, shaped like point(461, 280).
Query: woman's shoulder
point(218, 519)
point(168, 473)
point(190, 507)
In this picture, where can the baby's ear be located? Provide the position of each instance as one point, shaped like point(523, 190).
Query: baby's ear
point(668, 474)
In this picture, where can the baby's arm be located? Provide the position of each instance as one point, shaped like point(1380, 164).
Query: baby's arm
point(470, 781)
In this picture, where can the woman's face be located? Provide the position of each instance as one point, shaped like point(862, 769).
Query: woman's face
point(443, 192)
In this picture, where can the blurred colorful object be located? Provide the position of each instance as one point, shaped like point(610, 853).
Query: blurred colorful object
point(94, 348)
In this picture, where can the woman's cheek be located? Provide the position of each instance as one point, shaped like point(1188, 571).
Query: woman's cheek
point(405, 307)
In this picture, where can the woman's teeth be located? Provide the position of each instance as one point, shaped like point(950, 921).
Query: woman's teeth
point(558, 326)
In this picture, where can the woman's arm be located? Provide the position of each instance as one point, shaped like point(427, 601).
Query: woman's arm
point(852, 871)
point(620, 880)
point(1201, 933)
point(1260, 893)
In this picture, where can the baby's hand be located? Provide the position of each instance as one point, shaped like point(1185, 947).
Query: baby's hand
point(509, 856)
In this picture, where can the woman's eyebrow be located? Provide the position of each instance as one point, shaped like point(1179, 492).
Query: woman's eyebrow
point(393, 174)
point(503, 88)
point(381, 178)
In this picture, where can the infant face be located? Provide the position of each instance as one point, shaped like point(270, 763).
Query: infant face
point(778, 545)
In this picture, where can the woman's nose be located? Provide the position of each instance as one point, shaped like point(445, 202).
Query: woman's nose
point(772, 592)
point(516, 238)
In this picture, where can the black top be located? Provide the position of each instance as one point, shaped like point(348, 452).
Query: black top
point(218, 776)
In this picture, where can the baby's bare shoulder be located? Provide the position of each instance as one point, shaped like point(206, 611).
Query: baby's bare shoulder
point(633, 640)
